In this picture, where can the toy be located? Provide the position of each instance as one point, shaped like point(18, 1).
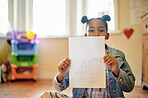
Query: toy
point(4, 60)
point(30, 34)
point(6, 69)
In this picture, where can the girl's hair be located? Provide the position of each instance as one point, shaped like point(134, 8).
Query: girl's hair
point(104, 19)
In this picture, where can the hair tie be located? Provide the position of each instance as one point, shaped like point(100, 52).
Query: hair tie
point(84, 19)
point(106, 17)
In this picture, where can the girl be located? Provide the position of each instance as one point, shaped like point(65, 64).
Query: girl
point(119, 77)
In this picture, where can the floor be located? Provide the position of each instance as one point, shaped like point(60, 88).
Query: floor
point(33, 89)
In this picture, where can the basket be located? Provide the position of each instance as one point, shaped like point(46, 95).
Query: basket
point(20, 39)
point(23, 72)
point(23, 60)
point(24, 48)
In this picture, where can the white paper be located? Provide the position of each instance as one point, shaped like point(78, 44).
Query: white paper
point(87, 68)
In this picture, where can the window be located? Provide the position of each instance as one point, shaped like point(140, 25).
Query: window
point(55, 17)
point(4, 24)
point(98, 8)
point(49, 17)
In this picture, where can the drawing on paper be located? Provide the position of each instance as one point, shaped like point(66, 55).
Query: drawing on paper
point(89, 67)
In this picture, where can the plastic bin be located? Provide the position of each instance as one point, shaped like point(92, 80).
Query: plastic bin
point(23, 72)
point(24, 48)
point(17, 36)
point(23, 60)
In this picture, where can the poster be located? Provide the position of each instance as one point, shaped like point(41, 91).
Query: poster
point(137, 9)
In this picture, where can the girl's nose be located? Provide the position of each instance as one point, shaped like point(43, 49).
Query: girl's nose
point(96, 33)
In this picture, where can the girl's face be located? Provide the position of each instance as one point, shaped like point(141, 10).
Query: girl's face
point(97, 28)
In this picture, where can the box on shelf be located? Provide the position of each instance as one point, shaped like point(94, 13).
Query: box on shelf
point(24, 48)
point(23, 72)
point(19, 36)
point(24, 60)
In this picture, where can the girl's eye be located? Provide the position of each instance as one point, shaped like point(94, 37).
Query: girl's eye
point(101, 30)
point(91, 30)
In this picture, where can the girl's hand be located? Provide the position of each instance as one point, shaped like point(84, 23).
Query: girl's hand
point(112, 63)
point(63, 68)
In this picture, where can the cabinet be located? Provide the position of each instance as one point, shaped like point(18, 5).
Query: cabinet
point(144, 19)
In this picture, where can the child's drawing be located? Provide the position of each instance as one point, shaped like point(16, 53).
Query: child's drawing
point(94, 68)
point(87, 67)
point(86, 70)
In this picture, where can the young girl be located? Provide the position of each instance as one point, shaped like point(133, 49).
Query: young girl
point(119, 77)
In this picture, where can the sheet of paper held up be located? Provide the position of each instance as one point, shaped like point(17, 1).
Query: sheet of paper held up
point(87, 68)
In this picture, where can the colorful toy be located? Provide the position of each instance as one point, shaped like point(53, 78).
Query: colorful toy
point(24, 55)
point(30, 34)
point(21, 37)
point(4, 62)
point(5, 69)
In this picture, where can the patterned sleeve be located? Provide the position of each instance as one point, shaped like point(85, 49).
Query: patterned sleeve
point(60, 86)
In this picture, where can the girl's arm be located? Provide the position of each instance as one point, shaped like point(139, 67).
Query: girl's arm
point(126, 79)
point(61, 85)
point(61, 81)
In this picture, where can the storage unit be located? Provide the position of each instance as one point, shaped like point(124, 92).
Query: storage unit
point(145, 49)
point(24, 56)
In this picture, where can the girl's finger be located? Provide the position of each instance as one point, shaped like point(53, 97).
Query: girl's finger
point(60, 67)
point(63, 67)
point(104, 56)
point(66, 62)
point(111, 62)
point(67, 59)
point(106, 59)
point(110, 59)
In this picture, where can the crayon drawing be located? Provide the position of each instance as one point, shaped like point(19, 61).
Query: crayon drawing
point(87, 68)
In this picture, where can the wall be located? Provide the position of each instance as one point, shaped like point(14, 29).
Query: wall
point(51, 52)
point(2, 41)
point(131, 47)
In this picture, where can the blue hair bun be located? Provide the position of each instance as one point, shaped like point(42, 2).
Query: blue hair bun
point(84, 19)
point(106, 17)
